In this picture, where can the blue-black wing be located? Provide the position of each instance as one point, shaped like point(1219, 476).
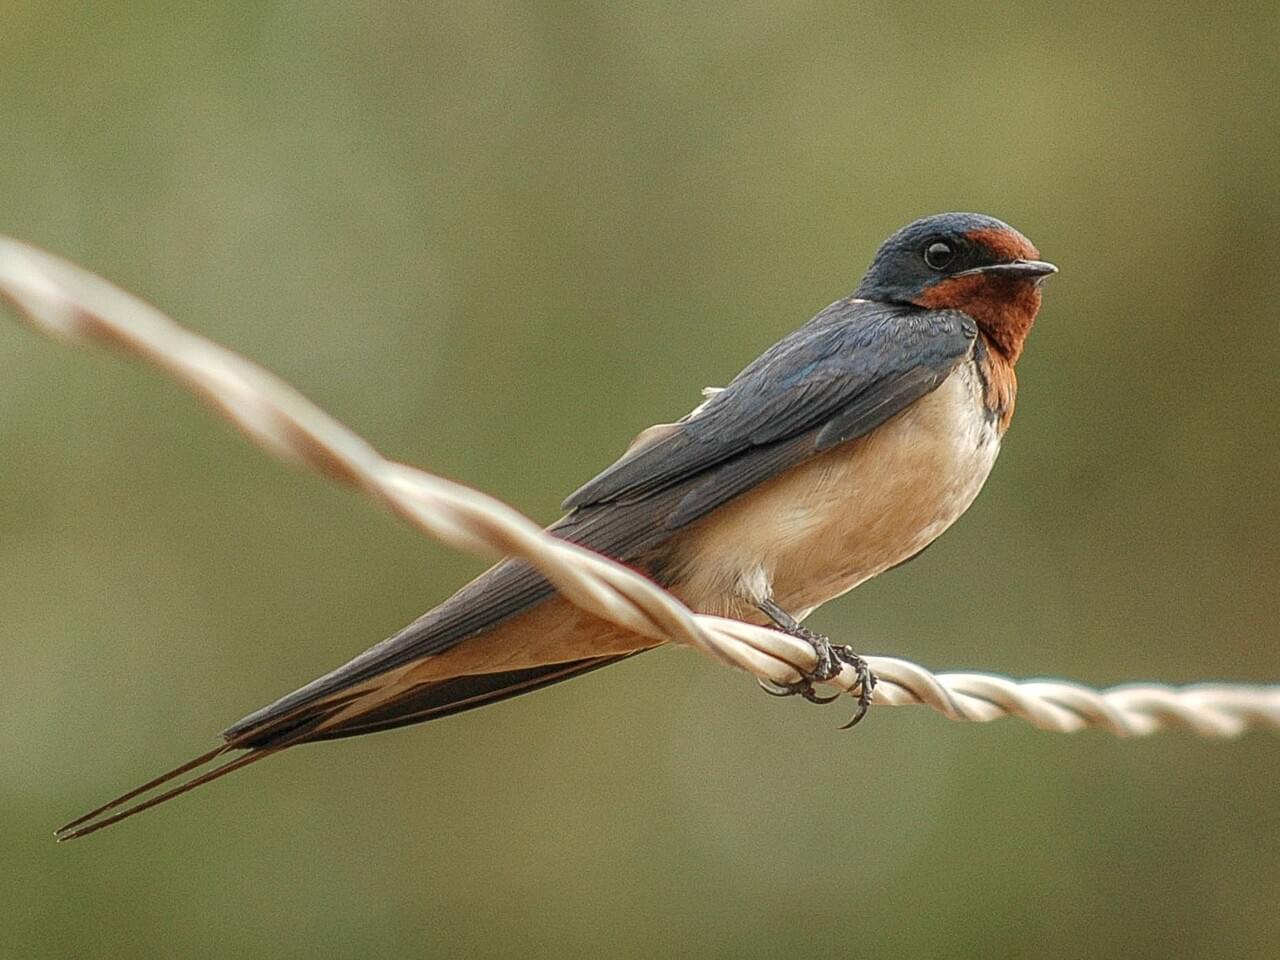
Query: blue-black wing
point(844, 373)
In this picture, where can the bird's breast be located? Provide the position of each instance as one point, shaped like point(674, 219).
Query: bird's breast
point(828, 524)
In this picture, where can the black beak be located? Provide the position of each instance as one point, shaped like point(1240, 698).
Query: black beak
point(1019, 269)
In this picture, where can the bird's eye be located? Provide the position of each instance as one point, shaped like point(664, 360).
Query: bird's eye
point(938, 254)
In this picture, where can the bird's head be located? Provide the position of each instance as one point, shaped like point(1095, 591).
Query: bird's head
point(968, 262)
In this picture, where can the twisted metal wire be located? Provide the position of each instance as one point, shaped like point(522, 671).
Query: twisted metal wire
point(66, 302)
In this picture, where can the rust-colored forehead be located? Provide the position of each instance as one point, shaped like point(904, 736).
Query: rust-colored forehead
point(1005, 243)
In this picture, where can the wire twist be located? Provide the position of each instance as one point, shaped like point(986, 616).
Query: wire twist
point(66, 302)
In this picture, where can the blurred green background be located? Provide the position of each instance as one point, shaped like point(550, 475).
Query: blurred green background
point(499, 239)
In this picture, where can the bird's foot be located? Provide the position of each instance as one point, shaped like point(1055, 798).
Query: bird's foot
point(831, 660)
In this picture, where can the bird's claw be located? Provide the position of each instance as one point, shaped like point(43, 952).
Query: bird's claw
point(831, 660)
point(866, 685)
point(802, 688)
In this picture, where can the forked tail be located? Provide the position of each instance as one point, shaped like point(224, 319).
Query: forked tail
point(329, 720)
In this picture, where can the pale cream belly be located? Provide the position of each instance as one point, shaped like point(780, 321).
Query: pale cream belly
point(833, 522)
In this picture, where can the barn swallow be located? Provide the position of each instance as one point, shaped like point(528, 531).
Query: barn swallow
point(844, 450)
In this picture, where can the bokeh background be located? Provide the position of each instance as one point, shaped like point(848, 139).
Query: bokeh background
point(499, 239)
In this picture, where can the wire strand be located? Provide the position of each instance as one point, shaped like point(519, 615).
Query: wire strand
point(68, 303)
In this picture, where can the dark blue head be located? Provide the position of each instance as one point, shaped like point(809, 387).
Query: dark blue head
point(963, 261)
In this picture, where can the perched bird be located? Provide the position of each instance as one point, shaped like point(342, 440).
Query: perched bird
point(842, 451)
